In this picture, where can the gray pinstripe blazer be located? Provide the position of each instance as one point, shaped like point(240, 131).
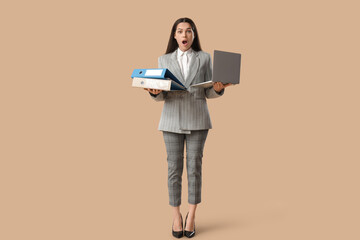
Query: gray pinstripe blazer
point(184, 111)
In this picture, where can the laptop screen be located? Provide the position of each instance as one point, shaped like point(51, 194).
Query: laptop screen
point(226, 67)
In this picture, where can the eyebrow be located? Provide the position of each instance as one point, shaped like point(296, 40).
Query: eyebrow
point(182, 29)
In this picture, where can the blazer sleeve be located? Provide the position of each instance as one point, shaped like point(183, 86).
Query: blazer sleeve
point(210, 92)
point(161, 96)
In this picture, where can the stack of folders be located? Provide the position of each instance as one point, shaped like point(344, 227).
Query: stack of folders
point(156, 78)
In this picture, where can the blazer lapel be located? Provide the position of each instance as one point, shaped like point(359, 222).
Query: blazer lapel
point(176, 67)
point(194, 67)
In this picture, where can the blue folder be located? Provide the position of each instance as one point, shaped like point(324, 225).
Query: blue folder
point(158, 73)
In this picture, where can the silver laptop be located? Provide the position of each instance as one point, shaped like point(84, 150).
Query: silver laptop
point(226, 69)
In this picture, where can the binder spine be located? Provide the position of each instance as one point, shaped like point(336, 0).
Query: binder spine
point(158, 73)
point(152, 83)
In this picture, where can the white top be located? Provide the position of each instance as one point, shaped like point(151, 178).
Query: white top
point(184, 59)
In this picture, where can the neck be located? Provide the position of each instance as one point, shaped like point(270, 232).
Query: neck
point(184, 50)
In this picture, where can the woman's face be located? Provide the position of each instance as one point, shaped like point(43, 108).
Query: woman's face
point(184, 36)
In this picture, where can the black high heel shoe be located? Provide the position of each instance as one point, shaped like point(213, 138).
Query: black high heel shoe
point(189, 234)
point(178, 234)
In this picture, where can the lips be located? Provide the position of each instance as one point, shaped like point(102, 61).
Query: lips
point(184, 42)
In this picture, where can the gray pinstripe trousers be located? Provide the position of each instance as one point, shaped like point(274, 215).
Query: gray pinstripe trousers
point(175, 143)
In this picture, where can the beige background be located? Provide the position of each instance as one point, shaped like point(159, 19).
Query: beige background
point(81, 157)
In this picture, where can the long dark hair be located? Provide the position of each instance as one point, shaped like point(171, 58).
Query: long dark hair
point(173, 45)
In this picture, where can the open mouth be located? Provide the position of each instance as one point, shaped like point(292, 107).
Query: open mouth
point(184, 42)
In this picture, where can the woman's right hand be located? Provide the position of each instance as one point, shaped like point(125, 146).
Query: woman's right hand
point(153, 91)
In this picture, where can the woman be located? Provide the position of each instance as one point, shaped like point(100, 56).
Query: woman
point(185, 118)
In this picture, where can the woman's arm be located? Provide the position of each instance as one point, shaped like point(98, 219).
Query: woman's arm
point(156, 94)
point(210, 92)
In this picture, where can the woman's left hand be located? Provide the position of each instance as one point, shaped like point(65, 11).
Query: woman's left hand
point(218, 86)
